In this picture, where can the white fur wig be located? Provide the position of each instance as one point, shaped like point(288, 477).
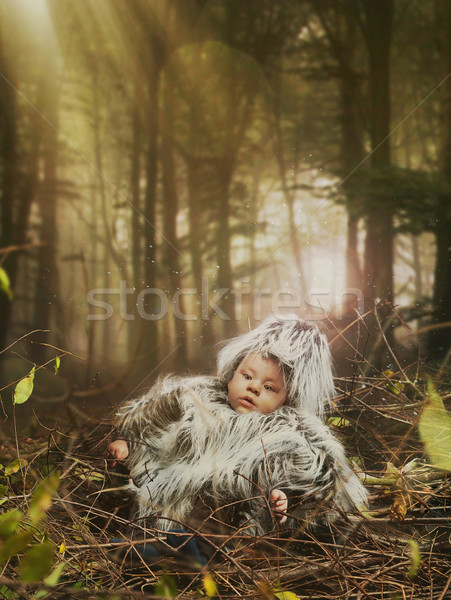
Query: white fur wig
point(299, 347)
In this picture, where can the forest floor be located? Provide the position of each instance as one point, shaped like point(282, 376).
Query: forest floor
point(62, 504)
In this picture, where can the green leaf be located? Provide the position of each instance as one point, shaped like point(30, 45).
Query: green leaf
point(5, 283)
point(15, 465)
point(37, 562)
point(166, 587)
point(3, 492)
point(9, 522)
point(282, 595)
point(24, 388)
point(42, 498)
point(364, 511)
point(391, 470)
point(394, 386)
point(434, 427)
point(56, 366)
point(54, 577)
point(15, 544)
point(89, 475)
point(338, 422)
point(51, 580)
point(8, 593)
point(415, 559)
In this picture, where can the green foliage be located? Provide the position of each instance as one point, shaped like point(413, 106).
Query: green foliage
point(24, 388)
point(5, 284)
point(14, 544)
point(393, 385)
point(415, 559)
point(56, 366)
point(46, 382)
point(16, 465)
point(9, 521)
point(338, 422)
point(435, 430)
point(55, 575)
point(51, 580)
point(17, 532)
point(166, 587)
point(7, 593)
point(42, 498)
point(89, 474)
point(3, 492)
point(418, 198)
point(37, 562)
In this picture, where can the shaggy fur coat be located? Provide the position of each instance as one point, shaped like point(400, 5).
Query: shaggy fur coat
point(186, 443)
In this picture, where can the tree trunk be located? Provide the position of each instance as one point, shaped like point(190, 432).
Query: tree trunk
point(201, 176)
point(137, 226)
point(170, 210)
point(379, 243)
point(417, 269)
point(90, 271)
point(353, 269)
point(151, 303)
point(47, 288)
point(106, 226)
point(440, 338)
point(352, 146)
point(378, 267)
point(8, 158)
point(288, 195)
point(224, 276)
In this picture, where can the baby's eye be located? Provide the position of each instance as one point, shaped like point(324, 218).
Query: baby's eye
point(269, 388)
point(247, 376)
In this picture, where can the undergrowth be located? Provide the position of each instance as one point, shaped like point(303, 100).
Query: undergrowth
point(61, 504)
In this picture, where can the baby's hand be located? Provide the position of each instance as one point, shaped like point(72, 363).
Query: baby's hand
point(118, 450)
point(279, 503)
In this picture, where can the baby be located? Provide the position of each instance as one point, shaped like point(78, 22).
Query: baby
point(258, 384)
point(249, 439)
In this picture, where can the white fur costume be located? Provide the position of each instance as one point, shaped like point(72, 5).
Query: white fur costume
point(186, 441)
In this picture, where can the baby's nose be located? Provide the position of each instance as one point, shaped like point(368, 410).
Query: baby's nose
point(254, 388)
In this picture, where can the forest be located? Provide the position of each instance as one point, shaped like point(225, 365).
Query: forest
point(172, 172)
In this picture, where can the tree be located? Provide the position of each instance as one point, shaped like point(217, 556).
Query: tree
point(20, 137)
point(9, 168)
point(440, 341)
point(377, 31)
point(47, 281)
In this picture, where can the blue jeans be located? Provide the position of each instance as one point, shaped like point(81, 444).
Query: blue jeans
point(147, 551)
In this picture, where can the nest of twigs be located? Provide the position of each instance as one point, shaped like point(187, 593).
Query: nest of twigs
point(400, 548)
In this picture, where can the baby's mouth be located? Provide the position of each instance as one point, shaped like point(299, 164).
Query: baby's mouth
point(247, 401)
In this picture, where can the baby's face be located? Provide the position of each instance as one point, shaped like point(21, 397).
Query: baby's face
point(257, 385)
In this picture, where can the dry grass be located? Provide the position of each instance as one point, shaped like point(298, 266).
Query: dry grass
point(399, 549)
